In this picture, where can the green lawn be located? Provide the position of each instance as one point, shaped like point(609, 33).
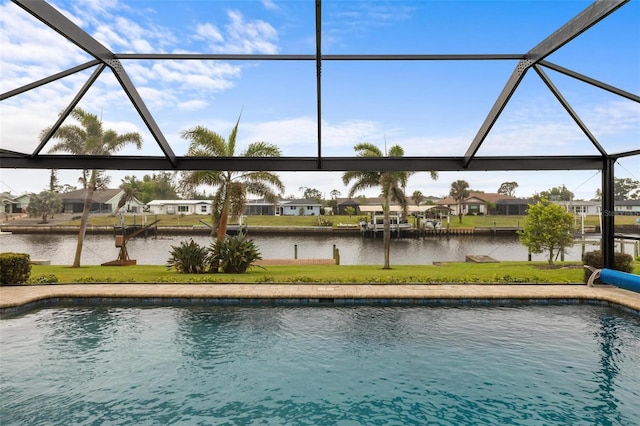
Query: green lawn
point(503, 272)
point(191, 220)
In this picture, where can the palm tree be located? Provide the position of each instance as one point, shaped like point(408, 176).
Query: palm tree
point(89, 138)
point(459, 192)
point(130, 193)
point(417, 197)
point(230, 196)
point(44, 204)
point(392, 185)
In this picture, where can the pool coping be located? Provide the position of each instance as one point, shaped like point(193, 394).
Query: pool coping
point(15, 300)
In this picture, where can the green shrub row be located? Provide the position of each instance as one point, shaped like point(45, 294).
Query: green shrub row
point(232, 255)
point(15, 268)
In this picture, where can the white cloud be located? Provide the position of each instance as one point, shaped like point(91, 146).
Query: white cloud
point(270, 4)
point(540, 128)
point(208, 32)
point(297, 136)
point(193, 105)
point(34, 50)
point(110, 38)
point(240, 36)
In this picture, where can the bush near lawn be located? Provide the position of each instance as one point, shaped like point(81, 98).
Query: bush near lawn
point(15, 268)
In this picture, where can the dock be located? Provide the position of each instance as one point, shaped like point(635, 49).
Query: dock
point(480, 258)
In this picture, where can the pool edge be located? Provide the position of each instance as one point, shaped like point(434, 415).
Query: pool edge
point(17, 300)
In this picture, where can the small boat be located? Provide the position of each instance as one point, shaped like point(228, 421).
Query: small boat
point(396, 224)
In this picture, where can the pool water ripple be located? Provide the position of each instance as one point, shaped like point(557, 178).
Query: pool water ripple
point(321, 366)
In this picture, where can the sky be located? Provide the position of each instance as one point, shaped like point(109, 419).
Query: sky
point(430, 108)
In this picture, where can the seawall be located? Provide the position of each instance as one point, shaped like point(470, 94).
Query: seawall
point(233, 229)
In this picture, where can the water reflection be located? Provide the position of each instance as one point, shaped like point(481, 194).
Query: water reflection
point(609, 345)
point(354, 249)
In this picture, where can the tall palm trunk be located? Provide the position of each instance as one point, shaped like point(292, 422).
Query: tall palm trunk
point(386, 234)
point(88, 198)
point(224, 218)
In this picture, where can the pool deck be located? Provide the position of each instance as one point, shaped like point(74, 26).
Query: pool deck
point(12, 297)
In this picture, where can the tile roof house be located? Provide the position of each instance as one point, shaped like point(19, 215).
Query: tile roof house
point(475, 203)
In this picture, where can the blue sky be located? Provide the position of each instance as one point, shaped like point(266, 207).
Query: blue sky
point(429, 108)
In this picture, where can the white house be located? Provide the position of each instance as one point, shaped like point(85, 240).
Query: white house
point(627, 207)
point(581, 207)
point(202, 207)
point(301, 207)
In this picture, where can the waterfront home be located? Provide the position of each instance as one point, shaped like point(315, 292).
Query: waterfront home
point(259, 207)
point(14, 204)
point(343, 203)
point(580, 207)
point(299, 207)
point(373, 205)
point(627, 207)
point(475, 203)
point(103, 201)
point(365, 205)
point(9, 203)
point(202, 207)
point(513, 206)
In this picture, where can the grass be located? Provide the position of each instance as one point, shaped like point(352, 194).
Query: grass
point(195, 220)
point(458, 272)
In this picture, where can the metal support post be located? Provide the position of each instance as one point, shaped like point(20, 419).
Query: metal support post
point(608, 217)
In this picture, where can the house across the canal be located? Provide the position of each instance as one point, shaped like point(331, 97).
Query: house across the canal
point(299, 207)
point(103, 201)
point(202, 207)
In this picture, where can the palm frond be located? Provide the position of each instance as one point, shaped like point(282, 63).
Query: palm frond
point(237, 198)
point(262, 177)
point(203, 177)
point(363, 181)
point(204, 143)
point(231, 143)
point(396, 151)
point(366, 149)
point(262, 149)
point(71, 139)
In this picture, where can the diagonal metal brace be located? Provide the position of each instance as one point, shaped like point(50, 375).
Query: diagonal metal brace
point(69, 30)
point(593, 14)
point(131, 91)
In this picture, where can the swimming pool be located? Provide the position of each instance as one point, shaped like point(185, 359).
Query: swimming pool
point(576, 364)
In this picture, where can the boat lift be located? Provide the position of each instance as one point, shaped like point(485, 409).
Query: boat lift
point(121, 242)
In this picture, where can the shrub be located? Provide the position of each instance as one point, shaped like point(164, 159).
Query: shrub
point(44, 279)
point(233, 255)
point(15, 268)
point(621, 262)
point(188, 258)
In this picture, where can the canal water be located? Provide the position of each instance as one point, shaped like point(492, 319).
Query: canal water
point(353, 249)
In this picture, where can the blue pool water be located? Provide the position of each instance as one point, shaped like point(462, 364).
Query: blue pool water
point(372, 365)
